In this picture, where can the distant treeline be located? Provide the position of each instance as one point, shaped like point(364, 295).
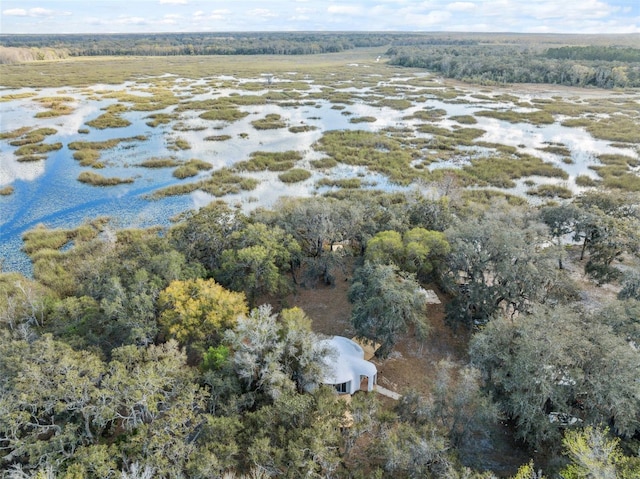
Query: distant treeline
point(603, 67)
point(486, 58)
point(263, 43)
point(593, 52)
point(23, 55)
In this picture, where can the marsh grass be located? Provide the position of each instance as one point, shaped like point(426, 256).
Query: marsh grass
point(84, 131)
point(624, 181)
point(33, 136)
point(551, 191)
point(363, 119)
point(614, 128)
point(615, 172)
point(444, 138)
point(500, 171)
point(158, 99)
point(158, 119)
point(539, 117)
point(324, 163)
point(586, 181)
point(217, 138)
point(191, 168)
point(31, 158)
point(180, 126)
point(37, 149)
point(395, 103)
point(272, 121)
point(17, 96)
point(488, 197)
point(222, 182)
point(9, 135)
point(94, 179)
point(88, 157)
point(6, 190)
point(108, 120)
point(242, 100)
point(103, 145)
point(227, 114)
point(40, 240)
point(618, 160)
point(557, 149)
point(269, 161)
point(444, 93)
point(499, 147)
point(56, 106)
point(375, 150)
point(302, 128)
point(159, 163)
point(431, 114)
point(348, 183)
point(83, 71)
point(464, 119)
point(294, 175)
point(178, 144)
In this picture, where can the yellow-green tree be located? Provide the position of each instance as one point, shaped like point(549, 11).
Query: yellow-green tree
point(415, 251)
point(196, 312)
point(594, 454)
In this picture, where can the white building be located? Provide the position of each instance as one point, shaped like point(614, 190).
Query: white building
point(347, 369)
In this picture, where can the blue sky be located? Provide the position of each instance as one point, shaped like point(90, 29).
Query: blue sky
point(123, 16)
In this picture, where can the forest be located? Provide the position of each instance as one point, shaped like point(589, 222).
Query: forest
point(174, 352)
point(575, 60)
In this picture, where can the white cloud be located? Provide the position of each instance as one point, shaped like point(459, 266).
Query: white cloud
point(127, 20)
point(32, 12)
point(437, 17)
point(41, 12)
point(461, 6)
point(261, 12)
point(344, 9)
point(15, 12)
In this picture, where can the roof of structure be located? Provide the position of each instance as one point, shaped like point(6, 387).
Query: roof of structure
point(348, 363)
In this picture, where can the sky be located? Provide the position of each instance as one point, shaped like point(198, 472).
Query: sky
point(143, 16)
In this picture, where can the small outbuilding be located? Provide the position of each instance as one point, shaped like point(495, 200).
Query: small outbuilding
point(346, 369)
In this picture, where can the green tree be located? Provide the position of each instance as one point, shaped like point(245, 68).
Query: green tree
point(608, 227)
point(498, 264)
point(49, 400)
point(273, 355)
point(630, 286)
point(561, 220)
point(258, 260)
point(23, 304)
point(385, 304)
point(559, 368)
point(204, 234)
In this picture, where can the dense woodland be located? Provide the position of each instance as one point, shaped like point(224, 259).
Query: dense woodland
point(596, 66)
point(172, 352)
point(575, 60)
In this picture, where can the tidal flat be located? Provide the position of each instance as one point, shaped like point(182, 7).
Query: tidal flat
point(170, 134)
